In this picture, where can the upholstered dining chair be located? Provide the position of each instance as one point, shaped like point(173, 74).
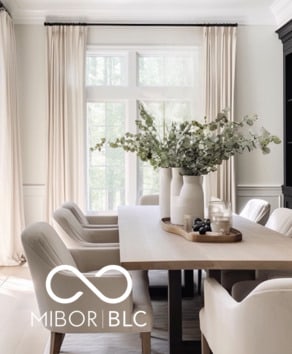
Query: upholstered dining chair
point(257, 210)
point(91, 221)
point(73, 234)
point(45, 251)
point(149, 199)
point(280, 221)
point(260, 324)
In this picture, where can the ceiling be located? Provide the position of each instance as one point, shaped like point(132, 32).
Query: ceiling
point(152, 11)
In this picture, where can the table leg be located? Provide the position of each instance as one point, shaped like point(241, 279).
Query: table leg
point(174, 310)
point(161, 291)
point(176, 344)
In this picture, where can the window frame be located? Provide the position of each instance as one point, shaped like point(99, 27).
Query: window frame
point(131, 92)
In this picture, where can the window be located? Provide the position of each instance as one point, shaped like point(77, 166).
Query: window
point(166, 80)
point(106, 170)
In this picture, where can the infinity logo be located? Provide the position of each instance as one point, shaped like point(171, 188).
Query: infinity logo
point(89, 284)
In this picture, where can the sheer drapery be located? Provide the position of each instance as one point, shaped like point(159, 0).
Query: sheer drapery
point(220, 54)
point(66, 161)
point(11, 196)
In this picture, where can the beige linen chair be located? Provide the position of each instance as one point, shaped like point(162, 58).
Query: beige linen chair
point(74, 235)
point(44, 251)
point(91, 221)
point(149, 199)
point(260, 324)
point(257, 210)
point(281, 221)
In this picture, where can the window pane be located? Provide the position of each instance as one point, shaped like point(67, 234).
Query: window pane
point(168, 111)
point(178, 71)
point(150, 71)
point(106, 169)
point(165, 70)
point(105, 70)
point(148, 179)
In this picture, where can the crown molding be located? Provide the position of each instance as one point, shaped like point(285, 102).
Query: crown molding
point(150, 11)
point(282, 10)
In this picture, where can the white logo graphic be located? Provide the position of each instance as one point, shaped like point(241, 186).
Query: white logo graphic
point(98, 293)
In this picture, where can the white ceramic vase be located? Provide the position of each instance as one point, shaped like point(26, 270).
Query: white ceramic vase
point(190, 200)
point(175, 189)
point(164, 192)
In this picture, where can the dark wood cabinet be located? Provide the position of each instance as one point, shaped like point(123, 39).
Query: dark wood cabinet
point(285, 34)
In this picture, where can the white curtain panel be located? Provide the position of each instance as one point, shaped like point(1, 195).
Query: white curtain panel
point(11, 197)
point(66, 47)
point(219, 45)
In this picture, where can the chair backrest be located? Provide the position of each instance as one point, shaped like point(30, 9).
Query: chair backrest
point(69, 227)
point(257, 210)
point(281, 221)
point(266, 312)
point(76, 211)
point(149, 199)
point(44, 250)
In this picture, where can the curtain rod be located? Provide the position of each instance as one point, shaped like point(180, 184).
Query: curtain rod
point(142, 24)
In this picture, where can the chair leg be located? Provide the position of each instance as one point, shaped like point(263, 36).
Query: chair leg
point(205, 349)
point(146, 342)
point(56, 342)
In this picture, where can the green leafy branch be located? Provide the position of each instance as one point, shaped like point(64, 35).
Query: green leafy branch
point(197, 148)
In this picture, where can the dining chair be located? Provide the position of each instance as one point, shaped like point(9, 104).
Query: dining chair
point(259, 324)
point(149, 199)
point(280, 221)
point(73, 234)
point(91, 221)
point(257, 210)
point(88, 313)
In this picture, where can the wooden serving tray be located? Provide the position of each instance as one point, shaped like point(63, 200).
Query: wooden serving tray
point(234, 235)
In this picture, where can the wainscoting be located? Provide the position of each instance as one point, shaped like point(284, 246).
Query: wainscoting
point(34, 199)
point(272, 194)
point(34, 203)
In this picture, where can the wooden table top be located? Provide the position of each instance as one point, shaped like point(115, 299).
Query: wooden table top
point(145, 245)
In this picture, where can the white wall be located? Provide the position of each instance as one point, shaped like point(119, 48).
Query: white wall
point(258, 89)
point(139, 35)
point(31, 55)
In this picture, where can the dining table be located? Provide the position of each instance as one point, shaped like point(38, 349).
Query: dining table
point(145, 245)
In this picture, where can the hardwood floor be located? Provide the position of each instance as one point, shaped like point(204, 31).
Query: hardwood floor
point(17, 301)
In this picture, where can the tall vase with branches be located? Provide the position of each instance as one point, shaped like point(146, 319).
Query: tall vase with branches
point(197, 148)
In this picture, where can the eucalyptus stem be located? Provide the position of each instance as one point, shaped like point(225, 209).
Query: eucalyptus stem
point(197, 148)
